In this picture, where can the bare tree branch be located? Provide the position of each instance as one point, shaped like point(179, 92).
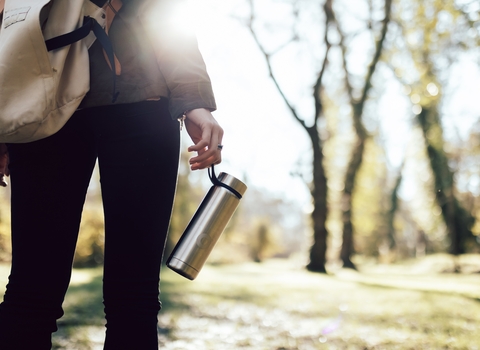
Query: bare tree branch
point(269, 66)
point(281, 47)
point(370, 12)
point(343, 47)
point(378, 52)
point(318, 84)
point(358, 105)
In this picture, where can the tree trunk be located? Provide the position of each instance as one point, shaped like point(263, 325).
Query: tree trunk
point(318, 250)
point(458, 220)
point(390, 214)
point(347, 239)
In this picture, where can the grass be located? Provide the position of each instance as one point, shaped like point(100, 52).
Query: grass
point(278, 305)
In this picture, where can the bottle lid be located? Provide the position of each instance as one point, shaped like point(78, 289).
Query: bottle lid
point(233, 182)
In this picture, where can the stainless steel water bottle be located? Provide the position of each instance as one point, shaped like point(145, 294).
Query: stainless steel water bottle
point(206, 226)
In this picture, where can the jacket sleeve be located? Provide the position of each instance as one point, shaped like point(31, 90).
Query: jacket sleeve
point(179, 60)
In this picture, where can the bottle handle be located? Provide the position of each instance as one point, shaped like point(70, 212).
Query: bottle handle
point(217, 182)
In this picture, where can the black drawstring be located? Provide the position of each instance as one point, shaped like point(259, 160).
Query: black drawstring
point(217, 182)
point(104, 40)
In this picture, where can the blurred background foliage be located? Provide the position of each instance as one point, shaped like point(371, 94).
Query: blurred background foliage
point(418, 43)
point(259, 229)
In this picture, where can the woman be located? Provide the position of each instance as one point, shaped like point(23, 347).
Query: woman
point(136, 141)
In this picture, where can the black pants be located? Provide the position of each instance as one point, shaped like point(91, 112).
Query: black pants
point(137, 146)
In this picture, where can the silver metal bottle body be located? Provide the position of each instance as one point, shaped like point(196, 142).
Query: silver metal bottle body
point(206, 227)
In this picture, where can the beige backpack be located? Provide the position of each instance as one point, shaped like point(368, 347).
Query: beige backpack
point(44, 64)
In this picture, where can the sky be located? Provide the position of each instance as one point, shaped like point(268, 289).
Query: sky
point(263, 144)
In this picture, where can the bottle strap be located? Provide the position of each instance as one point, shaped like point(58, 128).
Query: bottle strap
point(217, 182)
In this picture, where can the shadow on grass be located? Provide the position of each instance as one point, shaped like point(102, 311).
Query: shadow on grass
point(179, 294)
point(83, 304)
point(82, 326)
point(274, 306)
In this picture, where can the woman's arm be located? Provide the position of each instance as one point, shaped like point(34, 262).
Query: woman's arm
point(179, 60)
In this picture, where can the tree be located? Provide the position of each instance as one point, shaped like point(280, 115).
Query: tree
point(358, 107)
point(318, 187)
point(333, 28)
point(427, 48)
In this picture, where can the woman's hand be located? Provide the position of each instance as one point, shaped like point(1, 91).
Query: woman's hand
point(3, 164)
point(206, 135)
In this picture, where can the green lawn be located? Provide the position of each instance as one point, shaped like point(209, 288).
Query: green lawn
point(279, 305)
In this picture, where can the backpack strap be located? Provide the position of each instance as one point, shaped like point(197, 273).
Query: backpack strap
point(89, 24)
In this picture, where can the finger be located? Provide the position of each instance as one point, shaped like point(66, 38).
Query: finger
point(206, 160)
point(200, 146)
point(206, 163)
point(212, 155)
point(208, 152)
point(204, 142)
point(212, 135)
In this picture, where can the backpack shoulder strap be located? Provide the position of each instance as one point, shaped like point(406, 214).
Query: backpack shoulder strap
point(71, 37)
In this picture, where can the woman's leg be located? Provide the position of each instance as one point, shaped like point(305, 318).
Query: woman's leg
point(138, 152)
point(49, 180)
